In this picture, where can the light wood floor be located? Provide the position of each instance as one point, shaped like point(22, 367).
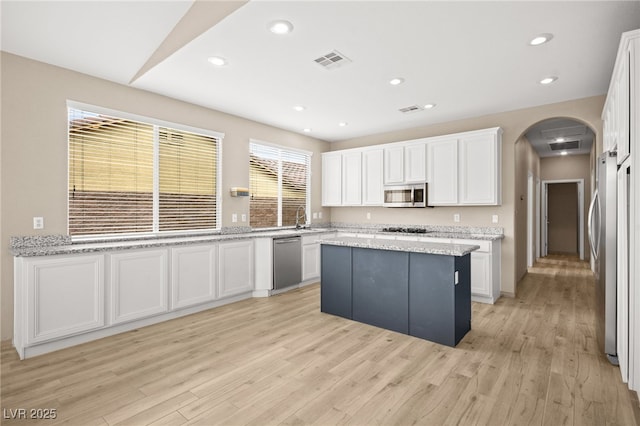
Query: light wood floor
point(528, 360)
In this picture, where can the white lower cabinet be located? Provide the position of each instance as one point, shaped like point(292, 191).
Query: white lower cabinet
point(193, 275)
point(235, 268)
point(139, 284)
point(65, 296)
point(485, 270)
point(310, 257)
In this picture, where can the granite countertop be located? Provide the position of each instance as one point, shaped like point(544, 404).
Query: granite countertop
point(401, 245)
point(48, 245)
point(61, 244)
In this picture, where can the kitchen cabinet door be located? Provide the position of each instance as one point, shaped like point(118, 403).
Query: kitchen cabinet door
point(65, 296)
point(139, 284)
point(415, 163)
point(442, 156)
point(372, 167)
point(479, 162)
point(352, 179)
point(310, 261)
point(235, 265)
point(394, 165)
point(331, 179)
point(193, 275)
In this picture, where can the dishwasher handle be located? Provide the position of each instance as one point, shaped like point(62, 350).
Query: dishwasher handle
point(286, 240)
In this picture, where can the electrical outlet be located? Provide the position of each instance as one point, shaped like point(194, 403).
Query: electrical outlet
point(368, 215)
point(38, 223)
point(243, 217)
point(315, 215)
point(234, 217)
point(456, 217)
point(494, 218)
point(319, 215)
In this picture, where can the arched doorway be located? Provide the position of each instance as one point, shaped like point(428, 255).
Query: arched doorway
point(552, 151)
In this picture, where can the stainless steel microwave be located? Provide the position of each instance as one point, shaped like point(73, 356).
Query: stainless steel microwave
point(405, 196)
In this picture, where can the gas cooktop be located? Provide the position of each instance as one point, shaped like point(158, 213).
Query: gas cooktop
point(406, 230)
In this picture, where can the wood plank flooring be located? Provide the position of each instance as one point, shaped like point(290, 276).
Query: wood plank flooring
point(528, 360)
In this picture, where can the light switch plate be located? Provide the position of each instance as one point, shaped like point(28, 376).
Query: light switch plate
point(319, 215)
point(234, 217)
point(243, 217)
point(456, 217)
point(494, 218)
point(315, 215)
point(368, 215)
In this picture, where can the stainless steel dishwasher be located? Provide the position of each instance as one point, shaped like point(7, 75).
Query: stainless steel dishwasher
point(287, 262)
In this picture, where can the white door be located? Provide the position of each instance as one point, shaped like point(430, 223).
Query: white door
point(372, 166)
point(139, 284)
point(352, 179)
point(235, 263)
point(394, 165)
point(193, 275)
point(442, 156)
point(65, 296)
point(415, 157)
point(331, 179)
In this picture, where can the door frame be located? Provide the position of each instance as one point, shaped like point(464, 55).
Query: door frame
point(545, 214)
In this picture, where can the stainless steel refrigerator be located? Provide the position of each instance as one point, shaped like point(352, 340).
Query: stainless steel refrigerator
point(602, 239)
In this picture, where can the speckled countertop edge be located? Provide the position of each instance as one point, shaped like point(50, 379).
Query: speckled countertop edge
point(48, 245)
point(446, 249)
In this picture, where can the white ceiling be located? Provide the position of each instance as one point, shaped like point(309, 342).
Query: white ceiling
point(469, 58)
point(576, 137)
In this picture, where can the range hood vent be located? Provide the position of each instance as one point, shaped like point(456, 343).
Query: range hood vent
point(331, 60)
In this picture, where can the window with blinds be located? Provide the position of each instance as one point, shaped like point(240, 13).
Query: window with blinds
point(279, 185)
point(128, 177)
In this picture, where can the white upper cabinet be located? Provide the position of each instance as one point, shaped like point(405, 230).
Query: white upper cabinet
point(372, 166)
point(464, 169)
point(332, 179)
point(415, 162)
point(461, 169)
point(479, 169)
point(394, 165)
point(352, 178)
point(443, 172)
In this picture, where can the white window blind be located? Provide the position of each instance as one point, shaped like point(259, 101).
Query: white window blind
point(127, 176)
point(279, 185)
point(188, 168)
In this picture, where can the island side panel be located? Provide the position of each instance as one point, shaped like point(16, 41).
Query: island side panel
point(432, 298)
point(381, 288)
point(463, 296)
point(335, 284)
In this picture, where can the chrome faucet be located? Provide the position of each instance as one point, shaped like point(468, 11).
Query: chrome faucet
point(304, 216)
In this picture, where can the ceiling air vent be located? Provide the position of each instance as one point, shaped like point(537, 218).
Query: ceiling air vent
point(561, 146)
point(410, 109)
point(332, 60)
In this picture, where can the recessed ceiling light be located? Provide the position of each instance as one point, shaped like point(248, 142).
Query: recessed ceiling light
point(306, 130)
point(548, 80)
point(396, 81)
point(299, 108)
point(560, 139)
point(218, 61)
point(342, 124)
point(429, 106)
point(280, 27)
point(564, 153)
point(541, 39)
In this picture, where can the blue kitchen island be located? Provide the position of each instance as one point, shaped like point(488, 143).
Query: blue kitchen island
point(416, 288)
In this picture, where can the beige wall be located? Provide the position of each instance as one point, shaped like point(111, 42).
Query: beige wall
point(572, 167)
point(34, 149)
point(527, 163)
point(514, 124)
